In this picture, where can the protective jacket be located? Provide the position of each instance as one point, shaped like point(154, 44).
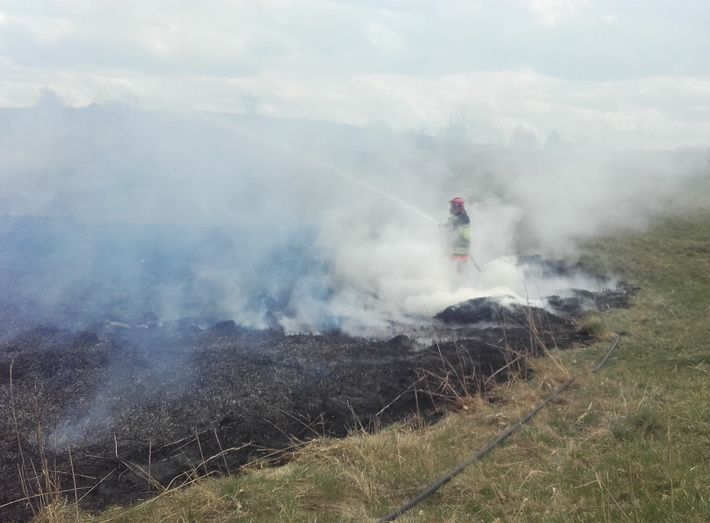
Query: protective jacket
point(460, 234)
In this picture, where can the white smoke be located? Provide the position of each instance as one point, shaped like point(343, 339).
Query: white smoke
point(301, 224)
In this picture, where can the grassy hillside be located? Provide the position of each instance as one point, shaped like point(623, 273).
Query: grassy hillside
point(631, 442)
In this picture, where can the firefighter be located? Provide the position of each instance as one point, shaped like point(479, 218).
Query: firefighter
point(459, 230)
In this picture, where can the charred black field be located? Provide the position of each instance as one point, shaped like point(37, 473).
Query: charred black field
point(123, 376)
point(132, 410)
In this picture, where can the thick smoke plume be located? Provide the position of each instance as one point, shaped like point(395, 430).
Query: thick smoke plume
point(113, 214)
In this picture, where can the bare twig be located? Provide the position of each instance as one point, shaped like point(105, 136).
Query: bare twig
point(199, 446)
point(97, 484)
point(25, 489)
point(73, 477)
point(38, 496)
point(400, 395)
point(223, 453)
point(356, 418)
point(305, 425)
point(141, 472)
point(224, 458)
point(22, 471)
point(181, 440)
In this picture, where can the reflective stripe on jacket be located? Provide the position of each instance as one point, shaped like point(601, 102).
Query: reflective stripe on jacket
point(460, 234)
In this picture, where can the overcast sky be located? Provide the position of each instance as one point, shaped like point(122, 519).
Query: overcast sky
point(623, 73)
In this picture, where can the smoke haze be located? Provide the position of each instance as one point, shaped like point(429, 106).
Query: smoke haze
point(111, 213)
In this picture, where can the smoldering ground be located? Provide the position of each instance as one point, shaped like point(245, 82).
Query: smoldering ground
point(128, 235)
point(143, 409)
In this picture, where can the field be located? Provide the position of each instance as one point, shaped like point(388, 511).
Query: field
point(628, 443)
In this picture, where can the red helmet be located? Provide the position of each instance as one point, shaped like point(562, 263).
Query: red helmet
point(457, 201)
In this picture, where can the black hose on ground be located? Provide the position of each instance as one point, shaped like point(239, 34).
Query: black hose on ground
point(612, 348)
point(443, 480)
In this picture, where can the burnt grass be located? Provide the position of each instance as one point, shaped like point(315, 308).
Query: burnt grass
point(142, 408)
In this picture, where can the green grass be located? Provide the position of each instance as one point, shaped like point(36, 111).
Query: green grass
point(630, 443)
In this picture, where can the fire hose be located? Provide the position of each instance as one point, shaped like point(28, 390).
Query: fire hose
point(474, 263)
point(443, 480)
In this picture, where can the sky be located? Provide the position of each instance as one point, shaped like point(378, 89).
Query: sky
point(624, 75)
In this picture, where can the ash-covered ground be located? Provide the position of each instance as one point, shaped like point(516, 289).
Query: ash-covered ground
point(144, 407)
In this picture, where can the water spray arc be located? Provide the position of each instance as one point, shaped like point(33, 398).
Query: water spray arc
point(333, 169)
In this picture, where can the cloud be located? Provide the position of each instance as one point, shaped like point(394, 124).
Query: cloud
point(542, 64)
point(552, 12)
